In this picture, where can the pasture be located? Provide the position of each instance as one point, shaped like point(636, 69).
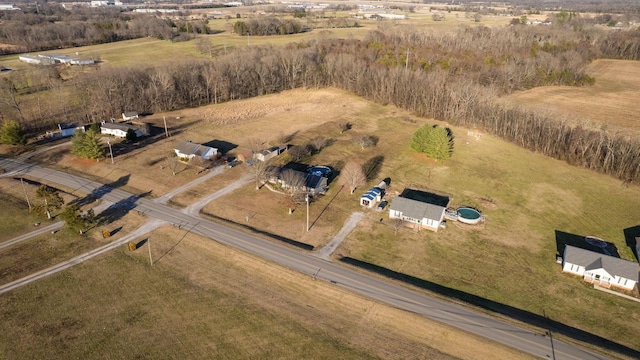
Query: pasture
point(610, 103)
point(526, 197)
point(204, 300)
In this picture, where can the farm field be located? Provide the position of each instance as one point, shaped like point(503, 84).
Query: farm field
point(204, 300)
point(610, 103)
point(530, 202)
point(527, 198)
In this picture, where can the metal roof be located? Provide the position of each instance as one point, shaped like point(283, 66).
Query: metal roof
point(417, 209)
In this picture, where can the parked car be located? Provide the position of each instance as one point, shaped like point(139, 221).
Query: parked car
point(381, 206)
point(233, 163)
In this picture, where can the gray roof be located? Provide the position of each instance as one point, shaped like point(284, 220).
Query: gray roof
point(188, 148)
point(592, 260)
point(417, 209)
point(119, 126)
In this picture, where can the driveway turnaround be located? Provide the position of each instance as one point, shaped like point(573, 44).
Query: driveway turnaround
point(532, 342)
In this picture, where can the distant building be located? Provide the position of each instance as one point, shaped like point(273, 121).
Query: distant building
point(8, 7)
point(129, 115)
point(52, 59)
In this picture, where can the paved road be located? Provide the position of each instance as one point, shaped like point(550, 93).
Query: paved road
point(525, 340)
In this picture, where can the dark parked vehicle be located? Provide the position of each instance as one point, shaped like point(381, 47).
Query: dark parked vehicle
point(381, 206)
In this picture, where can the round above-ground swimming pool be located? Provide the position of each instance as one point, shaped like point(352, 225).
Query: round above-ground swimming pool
point(468, 215)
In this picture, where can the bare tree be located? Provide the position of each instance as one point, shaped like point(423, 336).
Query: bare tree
point(343, 126)
point(367, 141)
point(352, 176)
point(318, 143)
point(262, 171)
point(294, 184)
point(172, 162)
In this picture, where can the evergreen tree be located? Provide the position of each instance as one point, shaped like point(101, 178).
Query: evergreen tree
point(75, 221)
point(434, 141)
point(87, 144)
point(51, 200)
point(12, 133)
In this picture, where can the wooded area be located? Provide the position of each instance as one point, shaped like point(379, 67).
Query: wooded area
point(455, 77)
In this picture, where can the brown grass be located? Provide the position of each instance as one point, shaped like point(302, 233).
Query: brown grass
point(610, 103)
point(205, 300)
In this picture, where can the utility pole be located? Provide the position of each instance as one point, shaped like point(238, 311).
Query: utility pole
point(25, 194)
point(166, 132)
point(110, 150)
point(306, 198)
point(150, 258)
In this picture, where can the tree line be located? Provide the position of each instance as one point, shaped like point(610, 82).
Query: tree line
point(455, 77)
point(53, 27)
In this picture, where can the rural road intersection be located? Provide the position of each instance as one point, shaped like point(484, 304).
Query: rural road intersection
point(532, 342)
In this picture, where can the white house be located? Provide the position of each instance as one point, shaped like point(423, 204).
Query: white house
point(119, 129)
point(129, 115)
point(423, 214)
point(188, 150)
point(600, 269)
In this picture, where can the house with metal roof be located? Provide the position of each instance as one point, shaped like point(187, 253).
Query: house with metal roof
point(419, 212)
point(120, 129)
point(188, 150)
point(600, 269)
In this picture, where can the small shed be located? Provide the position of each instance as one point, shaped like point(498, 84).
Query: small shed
point(371, 197)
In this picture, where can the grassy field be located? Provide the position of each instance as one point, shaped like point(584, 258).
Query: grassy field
point(610, 103)
point(204, 300)
point(191, 301)
point(526, 197)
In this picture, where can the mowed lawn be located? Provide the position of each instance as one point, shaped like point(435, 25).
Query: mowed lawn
point(204, 300)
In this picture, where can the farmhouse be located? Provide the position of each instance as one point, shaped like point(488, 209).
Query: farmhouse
point(600, 269)
point(188, 150)
point(130, 115)
point(313, 184)
point(119, 129)
point(423, 209)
